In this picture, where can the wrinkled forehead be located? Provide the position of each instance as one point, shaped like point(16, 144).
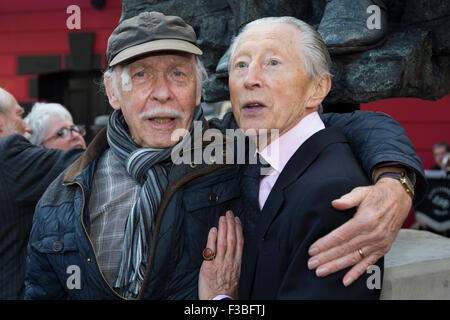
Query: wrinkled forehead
point(164, 57)
point(57, 123)
point(61, 121)
point(276, 33)
point(6, 99)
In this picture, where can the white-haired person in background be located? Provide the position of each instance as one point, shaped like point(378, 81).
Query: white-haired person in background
point(53, 127)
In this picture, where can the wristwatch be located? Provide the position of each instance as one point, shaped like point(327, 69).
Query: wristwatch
point(404, 180)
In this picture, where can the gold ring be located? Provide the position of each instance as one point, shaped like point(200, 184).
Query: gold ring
point(208, 254)
point(361, 254)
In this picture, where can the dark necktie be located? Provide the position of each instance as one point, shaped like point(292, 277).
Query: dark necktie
point(251, 177)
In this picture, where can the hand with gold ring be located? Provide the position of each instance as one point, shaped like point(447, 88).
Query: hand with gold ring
point(361, 254)
point(382, 208)
point(208, 254)
point(221, 268)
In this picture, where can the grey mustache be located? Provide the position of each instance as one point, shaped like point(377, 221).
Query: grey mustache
point(161, 112)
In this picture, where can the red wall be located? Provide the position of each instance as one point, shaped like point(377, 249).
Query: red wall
point(426, 122)
point(38, 27)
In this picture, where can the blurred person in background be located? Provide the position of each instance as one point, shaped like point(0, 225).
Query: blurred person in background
point(53, 127)
point(25, 172)
point(11, 112)
point(440, 150)
point(433, 213)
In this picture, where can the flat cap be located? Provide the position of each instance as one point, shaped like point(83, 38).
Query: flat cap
point(150, 32)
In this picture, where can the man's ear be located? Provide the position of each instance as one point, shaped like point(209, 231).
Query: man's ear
point(110, 92)
point(321, 90)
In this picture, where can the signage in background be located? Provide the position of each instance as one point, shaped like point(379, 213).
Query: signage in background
point(434, 210)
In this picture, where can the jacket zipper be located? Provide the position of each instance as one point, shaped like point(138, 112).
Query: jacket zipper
point(89, 238)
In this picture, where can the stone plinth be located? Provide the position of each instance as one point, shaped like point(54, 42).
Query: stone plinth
point(417, 267)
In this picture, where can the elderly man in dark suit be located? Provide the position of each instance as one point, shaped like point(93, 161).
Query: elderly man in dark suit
point(26, 171)
point(278, 76)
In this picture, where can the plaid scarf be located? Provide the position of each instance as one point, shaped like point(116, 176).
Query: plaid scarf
point(146, 166)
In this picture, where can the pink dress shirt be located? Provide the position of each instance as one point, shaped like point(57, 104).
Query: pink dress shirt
point(287, 144)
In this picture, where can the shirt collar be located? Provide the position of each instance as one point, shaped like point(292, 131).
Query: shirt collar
point(278, 152)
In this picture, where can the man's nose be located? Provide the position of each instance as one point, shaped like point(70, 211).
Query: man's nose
point(27, 128)
point(161, 91)
point(253, 77)
point(75, 135)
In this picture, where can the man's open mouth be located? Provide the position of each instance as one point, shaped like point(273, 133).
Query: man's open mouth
point(253, 105)
point(252, 108)
point(162, 120)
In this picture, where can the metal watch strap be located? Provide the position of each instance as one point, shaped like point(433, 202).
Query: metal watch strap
point(404, 180)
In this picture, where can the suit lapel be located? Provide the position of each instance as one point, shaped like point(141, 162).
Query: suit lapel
point(294, 169)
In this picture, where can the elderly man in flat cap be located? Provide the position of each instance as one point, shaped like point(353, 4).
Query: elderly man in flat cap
point(124, 221)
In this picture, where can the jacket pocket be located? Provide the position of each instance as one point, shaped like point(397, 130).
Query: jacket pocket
point(54, 244)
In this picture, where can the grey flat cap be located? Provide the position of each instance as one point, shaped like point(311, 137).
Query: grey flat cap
point(150, 32)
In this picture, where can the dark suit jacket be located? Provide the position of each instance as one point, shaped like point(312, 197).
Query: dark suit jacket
point(25, 172)
point(298, 212)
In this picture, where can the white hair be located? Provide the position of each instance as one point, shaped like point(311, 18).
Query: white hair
point(312, 50)
point(126, 78)
point(40, 116)
point(6, 100)
point(200, 73)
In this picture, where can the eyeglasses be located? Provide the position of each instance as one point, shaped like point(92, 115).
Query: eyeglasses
point(66, 133)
